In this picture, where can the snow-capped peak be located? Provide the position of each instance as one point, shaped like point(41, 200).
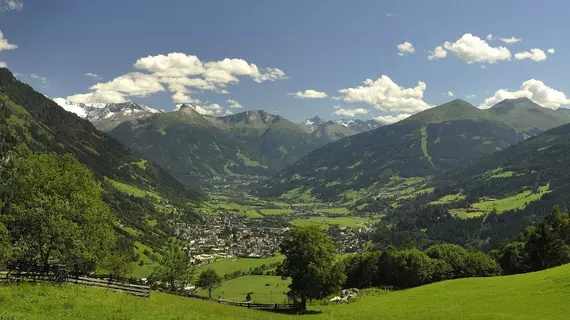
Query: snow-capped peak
point(113, 112)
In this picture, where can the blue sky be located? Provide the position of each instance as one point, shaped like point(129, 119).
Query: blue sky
point(286, 47)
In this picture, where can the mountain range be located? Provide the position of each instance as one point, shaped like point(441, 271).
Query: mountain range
point(424, 145)
point(337, 129)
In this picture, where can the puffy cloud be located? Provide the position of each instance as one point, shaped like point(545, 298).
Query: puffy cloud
point(98, 96)
point(470, 49)
point(3, 65)
point(551, 51)
point(405, 47)
point(92, 75)
point(386, 95)
point(133, 84)
point(181, 97)
point(391, 119)
point(232, 104)
point(448, 93)
point(350, 112)
point(534, 54)
point(437, 53)
point(172, 65)
point(309, 94)
point(533, 89)
point(181, 72)
point(6, 5)
point(510, 40)
point(491, 37)
point(4, 44)
point(470, 96)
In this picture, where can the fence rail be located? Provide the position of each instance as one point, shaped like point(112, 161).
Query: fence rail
point(19, 275)
point(262, 306)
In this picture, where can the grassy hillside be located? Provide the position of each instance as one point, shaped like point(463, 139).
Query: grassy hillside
point(427, 143)
point(30, 122)
point(540, 295)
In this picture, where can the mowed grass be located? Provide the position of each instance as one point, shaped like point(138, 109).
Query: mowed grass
point(228, 266)
point(349, 222)
point(533, 296)
point(519, 201)
point(123, 187)
point(266, 289)
point(340, 210)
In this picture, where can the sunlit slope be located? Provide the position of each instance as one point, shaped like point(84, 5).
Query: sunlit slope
point(540, 295)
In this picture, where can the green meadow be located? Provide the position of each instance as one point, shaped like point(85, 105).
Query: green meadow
point(531, 296)
point(227, 266)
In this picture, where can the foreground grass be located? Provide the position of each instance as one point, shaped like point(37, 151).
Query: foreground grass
point(540, 295)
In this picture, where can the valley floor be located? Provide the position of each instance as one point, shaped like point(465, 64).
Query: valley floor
point(540, 295)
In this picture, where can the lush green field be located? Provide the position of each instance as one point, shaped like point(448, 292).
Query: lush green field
point(131, 190)
point(228, 266)
point(518, 201)
point(540, 295)
point(350, 222)
point(277, 211)
point(266, 289)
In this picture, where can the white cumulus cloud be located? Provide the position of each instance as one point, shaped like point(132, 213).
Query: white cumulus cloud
point(510, 40)
point(491, 37)
point(534, 54)
point(386, 95)
point(470, 96)
point(405, 48)
point(391, 119)
point(4, 44)
point(470, 49)
point(448, 93)
point(132, 84)
point(3, 65)
point(437, 53)
point(309, 94)
point(533, 89)
point(350, 112)
point(97, 96)
point(6, 5)
point(232, 104)
point(551, 51)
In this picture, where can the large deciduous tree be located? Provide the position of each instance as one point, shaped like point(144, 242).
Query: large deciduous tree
point(209, 280)
point(56, 214)
point(5, 247)
point(310, 261)
point(176, 269)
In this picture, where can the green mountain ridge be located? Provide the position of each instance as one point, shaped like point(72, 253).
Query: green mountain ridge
point(189, 146)
point(30, 122)
point(426, 144)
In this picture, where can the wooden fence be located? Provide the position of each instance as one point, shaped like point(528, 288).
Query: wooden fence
point(31, 275)
point(263, 306)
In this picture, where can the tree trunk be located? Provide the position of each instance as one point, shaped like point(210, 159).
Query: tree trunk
point(210, 293)
point(304, 303)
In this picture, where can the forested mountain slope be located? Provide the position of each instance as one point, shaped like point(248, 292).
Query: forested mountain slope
point(430, 142)
point(30, 122)
point(190, 146)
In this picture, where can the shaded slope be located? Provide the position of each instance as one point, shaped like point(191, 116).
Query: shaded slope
point(189, 146)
